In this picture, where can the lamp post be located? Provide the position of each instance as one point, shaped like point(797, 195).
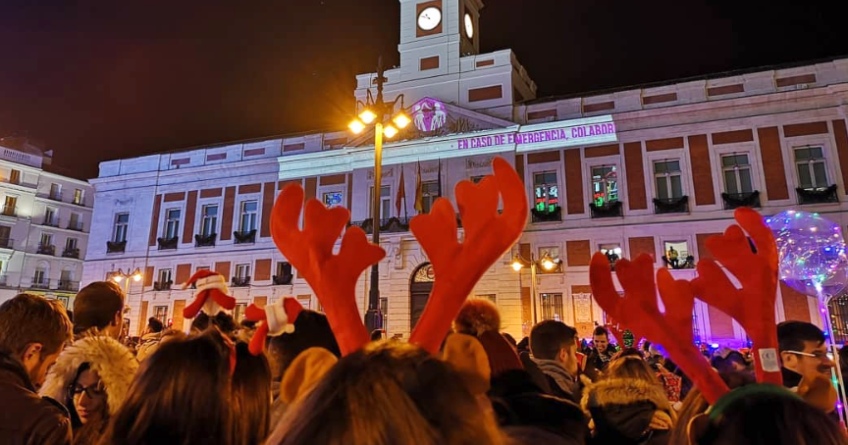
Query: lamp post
point(386, 123)
point(126, 278)
point(546, 263)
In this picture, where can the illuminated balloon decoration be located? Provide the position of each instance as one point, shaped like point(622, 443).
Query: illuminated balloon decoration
point(812, 253)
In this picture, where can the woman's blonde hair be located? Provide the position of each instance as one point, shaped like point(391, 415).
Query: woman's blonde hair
point(631, 367)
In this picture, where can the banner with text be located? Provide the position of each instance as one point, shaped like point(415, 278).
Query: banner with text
point(566, 136)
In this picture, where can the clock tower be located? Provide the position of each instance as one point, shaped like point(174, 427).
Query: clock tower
point(440, 58)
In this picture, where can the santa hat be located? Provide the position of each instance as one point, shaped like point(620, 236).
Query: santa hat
point(212, 295)
point(276, 319)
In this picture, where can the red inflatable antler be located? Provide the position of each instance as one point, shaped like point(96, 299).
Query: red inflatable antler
point(638, 310)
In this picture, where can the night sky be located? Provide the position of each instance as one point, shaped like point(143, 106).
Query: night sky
point(123, 78)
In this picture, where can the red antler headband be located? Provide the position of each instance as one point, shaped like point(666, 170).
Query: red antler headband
point(458, 266)
point(274, 319)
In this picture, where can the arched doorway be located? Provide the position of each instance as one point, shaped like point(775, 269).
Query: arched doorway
point(420, 286)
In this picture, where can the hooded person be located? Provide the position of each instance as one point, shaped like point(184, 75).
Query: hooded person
point(212, 294)
point(91, 378)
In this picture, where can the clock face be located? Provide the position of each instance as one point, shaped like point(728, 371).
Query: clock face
point(429, 18)
point(469, 26)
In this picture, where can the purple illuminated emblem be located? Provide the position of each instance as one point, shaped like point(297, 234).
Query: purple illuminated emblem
point(429, 115)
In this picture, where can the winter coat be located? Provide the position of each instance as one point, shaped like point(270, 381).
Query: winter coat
point(26, 418)
point(111, 360)
point(622, 410)
point(147, 345)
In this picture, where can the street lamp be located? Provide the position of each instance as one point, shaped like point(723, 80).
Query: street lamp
point(127, 278)
point(386, 123)
point(546, 263)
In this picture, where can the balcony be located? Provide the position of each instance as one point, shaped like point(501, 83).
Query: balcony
point(71, 253)
point(205, 240)
point(75, 225)
point(817, 195)
point(116, 246)
point(554, 215)
point(68, 285)
point(3, 281)
point(241, 281)
point(610, 209)
point(168, 243)
point(283, 280)
point(40, 283)
point(671, 205)
point(50, 221)
point(676, 263)
point(736, 200)
point(162, 285)
point(78, 201)
point(46, 249)
point(55, 196)
point(9, 211)
point(7, 243)
point(241, 237)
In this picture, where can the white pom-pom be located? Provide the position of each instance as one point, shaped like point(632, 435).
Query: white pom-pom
point(277, 320)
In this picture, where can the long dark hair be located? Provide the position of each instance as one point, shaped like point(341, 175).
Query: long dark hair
point(251, 401)
point(179, 396)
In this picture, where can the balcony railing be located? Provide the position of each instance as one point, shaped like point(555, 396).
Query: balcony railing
point(241, 281)
point(46, 249)
point(9, 211)
point(554, 215)
point(7, 243)
point(168, 243)
point(72, 252)
point(671, 205)
point(80, 202)
point(55, 196)
point(248, 237)
point(52, 222)
point(75, 225)
point(736, 200)
point(116, 246)
point(68, 285)
point(283, 280)
point(205, 240)
point(817, 195)
point(608, 210)
point(40, 283)
point(162, 285)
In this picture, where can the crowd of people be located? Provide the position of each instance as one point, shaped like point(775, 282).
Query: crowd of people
point(64, 382)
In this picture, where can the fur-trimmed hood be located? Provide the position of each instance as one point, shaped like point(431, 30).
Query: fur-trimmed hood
point(621, 410)
point(112, 361)
point(624, 392)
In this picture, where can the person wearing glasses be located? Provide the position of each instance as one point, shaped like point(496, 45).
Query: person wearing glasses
point(91, 378)
point(804, 357)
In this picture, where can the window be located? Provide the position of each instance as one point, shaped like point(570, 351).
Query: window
point(491, 297)
point(39, 277)
point(249, 211)
point(551, 306)
point(15, 176)
point(55, 192)
point(172, 223)
point(242, 270)
point(238, 312)
point(429, 194)
point(209, 220)
point(71, 244)
point(76, 222)
point(161, 313)
point(668, 180)
point(333, 199)
point(676, 255)
point(384, 309)
point(736, 170)
point(810, 165)
point(79, 198)
point(549, 260)
point(385, 201)
point(477, 179)
point(546, 192)
point(46, 239)
point(119, 233)
point(612, 251)
point(5, 237)
point(9, 205)
point(164, 276)
point(604, 185)
point(50, 217)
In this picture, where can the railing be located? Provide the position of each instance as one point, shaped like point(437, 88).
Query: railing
point(283, 280)
point(72, 286)
point(539, 216)
point(608, 210)
point(3, 280)
point(162, 285)
point(817, 195)
point(205, 240)
point(671, 205)
point(46, 249)
point(168, 243)
point(241, 281)
point(52, 222)
point(736, 200)
point(80, 202)
point(42, 283)
point(248, 237)
point(71, 253)
point(7, 243)
point(116, 246)
point(9, 211)
point(55, 196)
point(75, 225)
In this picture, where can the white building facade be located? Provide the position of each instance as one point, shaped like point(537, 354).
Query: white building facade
point(652, 170)
point(44, 225)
